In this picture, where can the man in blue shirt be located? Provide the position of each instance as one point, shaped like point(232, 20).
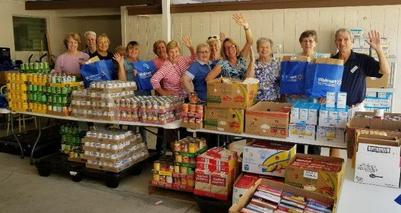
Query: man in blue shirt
point(193, 80)
point(359, 66)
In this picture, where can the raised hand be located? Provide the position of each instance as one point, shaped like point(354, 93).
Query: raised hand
point(118, 58)
point(187, 41)
point(240, 20)
point(222, 36)
point(374, 40)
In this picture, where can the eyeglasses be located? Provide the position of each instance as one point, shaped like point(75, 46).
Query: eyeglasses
point(203, 52)
point(212, 37)
point(231, 46)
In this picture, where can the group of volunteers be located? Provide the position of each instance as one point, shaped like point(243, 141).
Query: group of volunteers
point(175, 74)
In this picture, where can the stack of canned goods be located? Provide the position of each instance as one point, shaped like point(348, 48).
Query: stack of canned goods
point(71, 141)
point(192, 116)
point(36, 67)
point(149, 109)
point(17, 88)
point(113, 150)
point(98, 102)
point(178, 173)
point(50, 93)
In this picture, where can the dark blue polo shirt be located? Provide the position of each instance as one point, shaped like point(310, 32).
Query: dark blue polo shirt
point(356, 69)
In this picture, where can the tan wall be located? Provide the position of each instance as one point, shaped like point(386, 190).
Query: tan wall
point(59, 23)
point(282, 25)
point(111, 25)
point(10, 8)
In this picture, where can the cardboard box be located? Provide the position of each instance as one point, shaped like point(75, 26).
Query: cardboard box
point(225, 120)
point(304, 131)
point(382, 82)
point(268, 119)
point(321, 181)
point(246, 197)
point(358, 122)
point(267, 158)
point(330, 134)
point(215, 173)
point(228, 93)
point(242, 184)
point(238, 147)
point(369, 136)
point(378, 161)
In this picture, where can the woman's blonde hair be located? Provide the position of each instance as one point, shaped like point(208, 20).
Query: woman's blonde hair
point(202, 45)
point(222, 50)
point(74, 36)
point(172, 44)
point(102, 36)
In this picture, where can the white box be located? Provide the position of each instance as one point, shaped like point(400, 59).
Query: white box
point(371, 94)
point(302, 131)
point(378, 164)
point(323, 117)
point(330, 134)
point(294, 117)
point(303, 113)
point(331, 100)
point(267, 158)
point(342, 118)
point(333, 117)
point(341, 100)
point(313, 114)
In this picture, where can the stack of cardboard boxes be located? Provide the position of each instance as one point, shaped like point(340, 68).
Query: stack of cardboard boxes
point(262, 158)
point(374, 145)
point(226, 101)
point(215, 173)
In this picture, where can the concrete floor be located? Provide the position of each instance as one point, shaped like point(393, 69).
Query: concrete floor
point(23, 190)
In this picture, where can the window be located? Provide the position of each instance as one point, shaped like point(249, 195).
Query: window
point(29, 34)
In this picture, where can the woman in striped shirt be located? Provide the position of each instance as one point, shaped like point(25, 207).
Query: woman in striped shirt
point(166, 81)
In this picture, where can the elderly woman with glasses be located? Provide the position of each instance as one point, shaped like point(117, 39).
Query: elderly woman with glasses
point(193, 81)
point(233, 64)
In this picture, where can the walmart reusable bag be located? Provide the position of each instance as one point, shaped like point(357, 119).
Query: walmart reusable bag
point(102, 70)
point(322, 76)
point(292, 80)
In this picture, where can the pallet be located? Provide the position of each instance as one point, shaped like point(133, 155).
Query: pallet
point(59, 163)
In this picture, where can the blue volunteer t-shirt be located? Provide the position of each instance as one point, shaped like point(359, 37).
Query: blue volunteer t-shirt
point(356, 69)
point(145, 70)
point(198, 72)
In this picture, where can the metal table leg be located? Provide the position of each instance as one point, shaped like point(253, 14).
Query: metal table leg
point(37, 139)
point(164, 144)
point(15, 135)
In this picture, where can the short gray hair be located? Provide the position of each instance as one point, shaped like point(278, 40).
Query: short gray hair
point(262, 40)
point(344, 30)
point(89, 33)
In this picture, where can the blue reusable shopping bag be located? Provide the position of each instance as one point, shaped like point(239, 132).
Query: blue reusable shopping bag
point(145, 70)
point(321, 78)
point(292, 77)
point(98, 71)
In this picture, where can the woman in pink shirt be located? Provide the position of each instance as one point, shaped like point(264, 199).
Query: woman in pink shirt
point(69, 63)
point(159, 48)
point(166, 81)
